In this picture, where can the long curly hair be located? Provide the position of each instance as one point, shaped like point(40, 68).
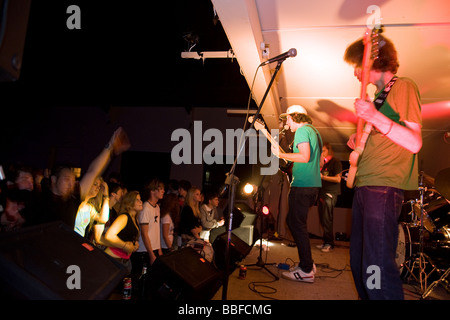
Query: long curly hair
point(387, 59)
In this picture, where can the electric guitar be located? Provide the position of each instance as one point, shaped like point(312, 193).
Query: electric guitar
point(259, 126)
point(363, 128)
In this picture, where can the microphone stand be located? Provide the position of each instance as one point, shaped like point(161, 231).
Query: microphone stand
point(259, 262)
point(234, 181)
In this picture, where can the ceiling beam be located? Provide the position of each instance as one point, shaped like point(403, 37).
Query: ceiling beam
point(240, 21)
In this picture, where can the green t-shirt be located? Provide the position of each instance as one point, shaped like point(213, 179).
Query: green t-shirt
point(384, 163)
point(307, 174)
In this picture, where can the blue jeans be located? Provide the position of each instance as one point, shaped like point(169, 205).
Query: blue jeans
point(300, 200)
point(374, 241)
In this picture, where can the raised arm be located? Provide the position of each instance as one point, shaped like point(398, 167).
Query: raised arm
point(119, 143)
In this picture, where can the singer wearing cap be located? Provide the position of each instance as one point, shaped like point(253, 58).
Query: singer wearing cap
point(305, 185)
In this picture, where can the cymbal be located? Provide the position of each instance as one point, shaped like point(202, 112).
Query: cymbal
point(442, 182)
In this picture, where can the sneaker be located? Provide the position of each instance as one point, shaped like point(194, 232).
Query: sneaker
point(297, 274)
point(320, 246)
point(327, 248)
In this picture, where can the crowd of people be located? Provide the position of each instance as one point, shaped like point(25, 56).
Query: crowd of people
point(134, 227)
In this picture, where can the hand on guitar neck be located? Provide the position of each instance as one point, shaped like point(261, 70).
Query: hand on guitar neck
point(276, 149)
point(261, 127)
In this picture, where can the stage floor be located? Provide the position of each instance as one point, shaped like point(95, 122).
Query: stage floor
point(334, 280)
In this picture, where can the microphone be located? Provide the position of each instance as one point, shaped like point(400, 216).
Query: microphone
point(284, 129)
point(291, 53)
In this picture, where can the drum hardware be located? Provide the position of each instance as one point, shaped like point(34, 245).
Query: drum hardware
point(443, 186)
point(442, 281)
point(420, 260)
point(430, 208)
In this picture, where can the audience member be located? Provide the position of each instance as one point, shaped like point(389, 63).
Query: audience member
point(122, 236)
point(149, 222)
point(115, 177)
point(183, 187)
point(190, 222)
point(23, 182)
point(209, 215)
point(170, 214)
point(94, 208)
point(11, 218)
point(61, 200)
point(23, 179)
point(172, 187)
point(116, 192)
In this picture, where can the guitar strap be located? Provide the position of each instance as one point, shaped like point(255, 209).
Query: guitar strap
point(319, 139)
point(383, 95)
point(379, 101)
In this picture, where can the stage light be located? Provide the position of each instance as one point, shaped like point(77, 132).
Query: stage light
point(265, 210)
point(248, 188)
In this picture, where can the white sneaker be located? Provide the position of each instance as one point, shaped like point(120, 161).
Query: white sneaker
point(297, 274)
point(327, 248)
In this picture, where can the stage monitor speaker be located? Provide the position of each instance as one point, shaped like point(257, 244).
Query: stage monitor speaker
point(238, 218)
point(239, 249)
point(13, 28)
point(248, 234)
point(249, 214)
point(52, 262)
point(183, 275)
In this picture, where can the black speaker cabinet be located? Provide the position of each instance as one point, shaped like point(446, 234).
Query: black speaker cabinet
point(13, 28)
point(238, 218)
point(239, 249)
point(51, 261)
point(183, 275)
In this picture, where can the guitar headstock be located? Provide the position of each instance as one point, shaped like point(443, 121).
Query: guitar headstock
point(259, 125)
point(372, 42)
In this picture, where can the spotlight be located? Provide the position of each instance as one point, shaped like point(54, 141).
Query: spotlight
point(248, 188)
point(265, 210)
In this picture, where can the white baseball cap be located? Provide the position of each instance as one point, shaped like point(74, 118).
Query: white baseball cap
point(295, 108)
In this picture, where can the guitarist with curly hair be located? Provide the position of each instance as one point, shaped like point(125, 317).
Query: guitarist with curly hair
point(385, 165)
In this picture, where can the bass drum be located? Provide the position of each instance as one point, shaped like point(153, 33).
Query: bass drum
point(436, 245)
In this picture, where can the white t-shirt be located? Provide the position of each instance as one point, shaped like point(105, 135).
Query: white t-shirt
point(167, 219)
point(150, 215)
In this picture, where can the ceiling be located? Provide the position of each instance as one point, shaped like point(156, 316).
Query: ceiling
point(130, 54)
point(125, 54)
point(320, 31)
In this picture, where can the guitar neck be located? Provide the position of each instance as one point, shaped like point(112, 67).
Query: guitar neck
point(270, 138)
point(367, 64)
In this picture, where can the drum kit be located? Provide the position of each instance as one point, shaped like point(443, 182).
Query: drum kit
point(423, 250)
